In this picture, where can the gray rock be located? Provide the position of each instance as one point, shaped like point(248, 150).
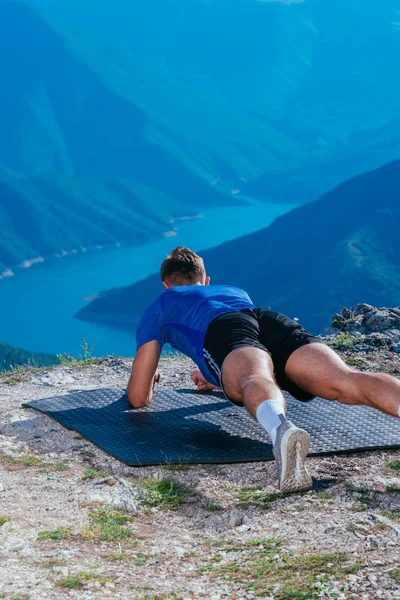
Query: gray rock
point(119, 493)
point(375, 327)
point(235, 519)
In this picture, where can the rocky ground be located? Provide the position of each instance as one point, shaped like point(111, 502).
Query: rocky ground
point(75, 523)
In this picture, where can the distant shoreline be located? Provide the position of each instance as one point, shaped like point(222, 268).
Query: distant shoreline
point(28, 263)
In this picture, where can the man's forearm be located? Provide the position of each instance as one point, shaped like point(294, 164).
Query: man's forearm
point(138, 397)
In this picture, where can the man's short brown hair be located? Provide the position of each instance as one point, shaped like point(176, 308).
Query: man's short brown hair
point(182, 266)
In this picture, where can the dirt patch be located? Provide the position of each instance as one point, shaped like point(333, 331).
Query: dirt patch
point(76, 523)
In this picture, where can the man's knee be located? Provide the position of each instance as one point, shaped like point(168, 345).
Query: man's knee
point(255, 380)
point(243, 367)
point(347, 389)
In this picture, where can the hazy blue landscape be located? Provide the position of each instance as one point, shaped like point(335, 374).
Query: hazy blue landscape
point(47, 296)
point(118, 119)
point(340, 250)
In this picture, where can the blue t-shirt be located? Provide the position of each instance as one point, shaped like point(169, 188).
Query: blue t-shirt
point(182, 314)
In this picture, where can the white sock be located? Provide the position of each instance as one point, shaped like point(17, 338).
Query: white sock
point(270, 415)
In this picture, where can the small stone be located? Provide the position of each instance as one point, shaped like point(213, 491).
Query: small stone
point(235, 519)
point(66, 553)
point(180, 551)
point(27, 550)
point(110, 585)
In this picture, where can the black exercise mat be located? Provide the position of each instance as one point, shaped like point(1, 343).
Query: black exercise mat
point(185, 426)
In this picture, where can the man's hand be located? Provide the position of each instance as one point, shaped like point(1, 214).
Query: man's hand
point(156, 379)
point(201, 382)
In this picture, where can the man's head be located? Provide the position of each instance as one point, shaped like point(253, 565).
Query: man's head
point(183, 267)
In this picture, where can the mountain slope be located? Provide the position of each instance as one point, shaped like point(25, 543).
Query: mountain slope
point(339, 250)
point(46, 215)
point(14, 357)
point(75, 105)
point(321, 74)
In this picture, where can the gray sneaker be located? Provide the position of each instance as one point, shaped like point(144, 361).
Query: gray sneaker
point(290, 450)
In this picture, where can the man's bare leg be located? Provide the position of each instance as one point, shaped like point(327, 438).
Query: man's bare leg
point(317, 369)
point(248, 378)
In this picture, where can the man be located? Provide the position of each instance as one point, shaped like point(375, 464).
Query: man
point(252, 354)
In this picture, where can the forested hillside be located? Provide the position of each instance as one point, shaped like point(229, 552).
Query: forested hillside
point(47, 215)
point(14, 357)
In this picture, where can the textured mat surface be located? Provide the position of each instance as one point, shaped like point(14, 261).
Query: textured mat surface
point(184, 426)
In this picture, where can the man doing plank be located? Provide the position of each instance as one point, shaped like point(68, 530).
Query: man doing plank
point(252, 354)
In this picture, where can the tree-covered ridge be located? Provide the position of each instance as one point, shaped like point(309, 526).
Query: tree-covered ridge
point(13, 357)
point(88, 155)
point(47, 215)
point(337, 251)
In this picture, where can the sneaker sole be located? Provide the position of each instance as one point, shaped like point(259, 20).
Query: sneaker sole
point(294, 476)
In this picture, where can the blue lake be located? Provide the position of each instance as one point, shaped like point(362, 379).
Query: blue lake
point(37, 305)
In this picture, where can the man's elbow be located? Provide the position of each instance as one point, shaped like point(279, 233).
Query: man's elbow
point(137, 400)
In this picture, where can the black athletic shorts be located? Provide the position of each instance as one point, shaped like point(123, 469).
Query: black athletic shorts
point(259, 328)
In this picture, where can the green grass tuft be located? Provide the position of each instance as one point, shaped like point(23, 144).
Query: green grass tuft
point(393, 515)
point(359, 507)
point(23, 461)
point(71, 582)
point(4, 519)
point(60, 466)
point(394, 465)
point(395, 574)
point(345, 341)
point(214, 507)
point(60, 533)
point(164, 493)
point(253, 495)
point(107, 524)
point(53, 562)
point(265, 569)
point(92, 474)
